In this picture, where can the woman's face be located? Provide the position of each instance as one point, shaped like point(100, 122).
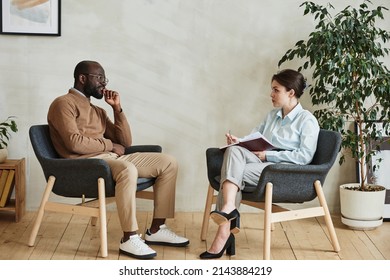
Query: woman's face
point(279, 94)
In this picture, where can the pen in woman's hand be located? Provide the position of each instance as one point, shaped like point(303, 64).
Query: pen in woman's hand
point(230, 139)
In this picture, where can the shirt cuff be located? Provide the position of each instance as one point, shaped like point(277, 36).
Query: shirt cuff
point(271, 156)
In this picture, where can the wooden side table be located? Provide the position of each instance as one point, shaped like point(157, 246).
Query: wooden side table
point(17, 205)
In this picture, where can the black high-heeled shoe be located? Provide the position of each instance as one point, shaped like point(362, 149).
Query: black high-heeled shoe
point(235, 225)
point(221, 218)
point(230, 247)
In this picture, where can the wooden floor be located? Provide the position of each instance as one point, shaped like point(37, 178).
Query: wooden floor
point(68, 237)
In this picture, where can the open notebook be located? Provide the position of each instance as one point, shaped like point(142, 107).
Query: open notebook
point(253, 142)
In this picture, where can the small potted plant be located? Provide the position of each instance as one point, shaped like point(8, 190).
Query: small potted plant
point(5, 132)
point(351, 86)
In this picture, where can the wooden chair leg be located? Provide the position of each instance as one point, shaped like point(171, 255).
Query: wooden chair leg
point(267, 222)
point(103, 218)
point(328, 218)
point(206, 214)
point(41, 211)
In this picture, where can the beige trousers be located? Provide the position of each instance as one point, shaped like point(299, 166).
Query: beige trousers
point(125, 171)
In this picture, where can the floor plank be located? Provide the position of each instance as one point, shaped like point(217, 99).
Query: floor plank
point(355, 245)
point(381, 239)
point(13, 239)
point(49, 237)
point(68, 237)
point(308, 240)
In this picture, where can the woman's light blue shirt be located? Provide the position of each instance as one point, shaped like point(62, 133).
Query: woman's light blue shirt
point(296, 135)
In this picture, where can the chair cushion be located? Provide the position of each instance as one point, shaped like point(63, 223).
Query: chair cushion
point(144, 183)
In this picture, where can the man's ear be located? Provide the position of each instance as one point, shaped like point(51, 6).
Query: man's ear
point(82, 78)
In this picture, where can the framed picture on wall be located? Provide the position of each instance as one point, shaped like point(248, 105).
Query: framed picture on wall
point(31, 17)
point(381, 176)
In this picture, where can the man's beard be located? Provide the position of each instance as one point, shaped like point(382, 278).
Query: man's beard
point(93, 91)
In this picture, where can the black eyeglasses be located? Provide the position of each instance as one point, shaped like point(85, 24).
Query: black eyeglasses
point(100, 78)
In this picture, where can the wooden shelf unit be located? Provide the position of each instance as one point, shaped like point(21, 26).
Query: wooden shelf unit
point(18, 204)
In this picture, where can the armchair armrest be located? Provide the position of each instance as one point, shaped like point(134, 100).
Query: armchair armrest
point(296, 168)
point(143, 149)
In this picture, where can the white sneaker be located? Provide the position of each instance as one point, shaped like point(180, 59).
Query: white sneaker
point(135, 247)
point(164, 236)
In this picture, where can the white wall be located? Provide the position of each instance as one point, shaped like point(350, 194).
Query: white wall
point(187, 71)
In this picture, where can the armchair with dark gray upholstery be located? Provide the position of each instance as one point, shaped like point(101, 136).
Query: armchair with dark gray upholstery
point(282, 183)
point(88, 179)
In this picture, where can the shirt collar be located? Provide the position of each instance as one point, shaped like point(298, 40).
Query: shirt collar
point(80, 94)
point(77, 91)
point(294, 112)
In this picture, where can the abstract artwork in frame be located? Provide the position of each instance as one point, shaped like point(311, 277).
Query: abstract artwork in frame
point(380, 176)
point(30, 17)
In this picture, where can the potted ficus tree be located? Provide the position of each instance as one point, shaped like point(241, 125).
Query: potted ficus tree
point(6, 127)
point(351, 87)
